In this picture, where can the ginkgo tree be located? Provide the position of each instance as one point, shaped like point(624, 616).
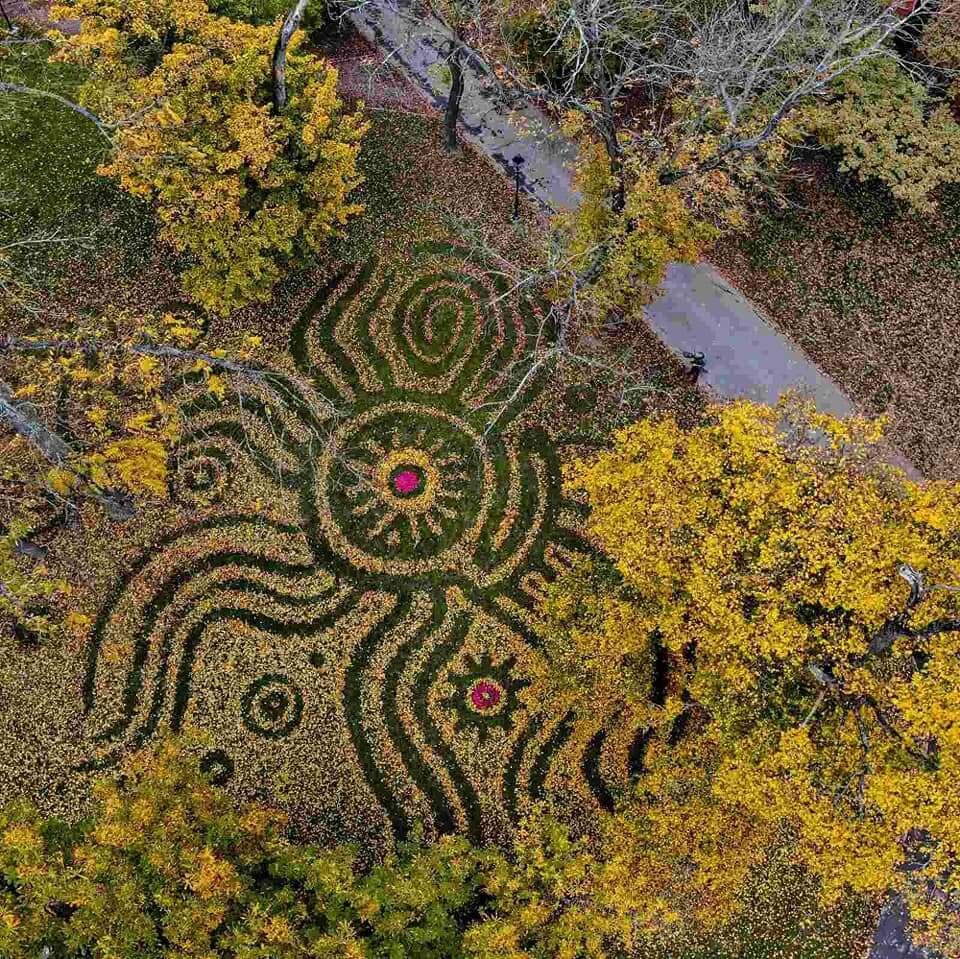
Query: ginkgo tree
point(167, 864)
point(782, 614)
point(243, 179)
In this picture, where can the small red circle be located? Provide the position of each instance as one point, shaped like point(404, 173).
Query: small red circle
point(485, 695)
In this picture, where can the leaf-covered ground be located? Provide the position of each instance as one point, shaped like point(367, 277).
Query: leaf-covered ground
point(873, 296)
point(338, 594)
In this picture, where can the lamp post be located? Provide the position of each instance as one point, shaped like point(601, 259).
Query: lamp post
point(517, 164)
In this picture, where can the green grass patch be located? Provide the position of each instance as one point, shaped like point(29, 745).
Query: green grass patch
point(49, 185)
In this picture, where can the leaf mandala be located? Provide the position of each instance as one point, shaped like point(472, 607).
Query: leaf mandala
point(368, 655)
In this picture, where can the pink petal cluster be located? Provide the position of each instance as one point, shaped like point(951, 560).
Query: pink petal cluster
point(485, 695)
point(406, 482)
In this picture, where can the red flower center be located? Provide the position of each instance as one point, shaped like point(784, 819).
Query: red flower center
point(406, 482)
point(485, 695)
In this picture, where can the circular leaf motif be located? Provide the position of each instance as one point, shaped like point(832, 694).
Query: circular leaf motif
point(201, 474)
point(436, 317)
point(486, 695)
point(408, 481)
point(404, 488)
point(272, 707)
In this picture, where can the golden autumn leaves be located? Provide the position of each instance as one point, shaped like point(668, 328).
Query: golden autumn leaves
point(238, 189)
point(761, 551)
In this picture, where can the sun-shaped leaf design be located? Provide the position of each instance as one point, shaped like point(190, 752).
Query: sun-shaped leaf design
point(485, 694)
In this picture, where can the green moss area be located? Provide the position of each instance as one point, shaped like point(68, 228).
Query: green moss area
point(870, 292)
point(52, 203)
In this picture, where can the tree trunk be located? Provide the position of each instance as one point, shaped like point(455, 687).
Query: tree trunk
point(606, 127)
point(54, 448)
point(611, 143)
point(287, 31)
point(451, 114)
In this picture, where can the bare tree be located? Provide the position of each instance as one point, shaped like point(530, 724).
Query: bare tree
point(709, 84)
point(451, 26)
point(749, 67)
point(737, 72)
point(555, 344)
point(599, 52)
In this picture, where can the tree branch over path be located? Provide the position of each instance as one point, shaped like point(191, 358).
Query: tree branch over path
point(725, 57)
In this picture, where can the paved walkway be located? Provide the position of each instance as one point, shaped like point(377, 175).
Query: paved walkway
point(892, 940)
point(38, 10)
point(416, 43)
point(698, 310)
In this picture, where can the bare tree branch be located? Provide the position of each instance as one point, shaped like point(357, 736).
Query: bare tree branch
point(55, 450)
point(92, 345)
point(103, 128)
point(278, 382)
point(290, 26)
point(716, 56)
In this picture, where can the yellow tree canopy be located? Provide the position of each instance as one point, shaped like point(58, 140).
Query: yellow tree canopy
point(237, 187)
point(626, 252)
point(804, 600)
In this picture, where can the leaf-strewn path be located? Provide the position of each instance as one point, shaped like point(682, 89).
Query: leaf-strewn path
point(698, 311)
